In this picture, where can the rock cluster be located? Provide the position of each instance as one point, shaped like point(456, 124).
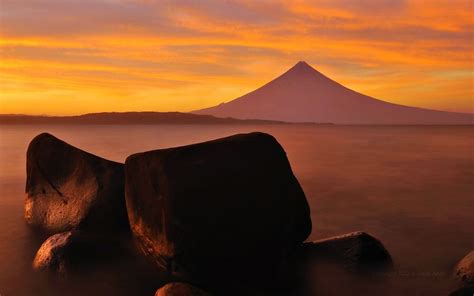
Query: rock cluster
point(227, 211)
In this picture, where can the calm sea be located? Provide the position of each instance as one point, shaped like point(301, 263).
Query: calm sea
point(411, 187)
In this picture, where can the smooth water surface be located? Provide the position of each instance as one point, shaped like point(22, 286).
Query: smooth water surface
point(411, 187)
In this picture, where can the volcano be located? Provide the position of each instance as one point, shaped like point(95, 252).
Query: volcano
point(302, 94)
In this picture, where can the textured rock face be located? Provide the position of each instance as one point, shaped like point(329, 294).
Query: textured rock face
point(222, 208)
point(53, 255)
point(180, 289)
point(354, 249)
point(67, 188)
point(465, 269)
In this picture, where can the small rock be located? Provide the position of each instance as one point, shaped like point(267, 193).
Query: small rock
point(354, 249)
point(76, 251)
point(180, 289)
point(331, 261)
point(465, 269)
point(53, 255)
point(70, 189)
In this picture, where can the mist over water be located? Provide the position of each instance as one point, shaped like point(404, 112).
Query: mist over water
point(411, 187)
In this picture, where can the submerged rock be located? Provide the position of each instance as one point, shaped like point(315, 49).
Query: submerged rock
point(180, 289)
point(353, 249)
point(68, 189)
point(319, 267)
point(465, 269)
point(229, 208)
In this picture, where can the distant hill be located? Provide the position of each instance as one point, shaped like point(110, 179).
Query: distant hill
point(128, 118)
point(303, 94)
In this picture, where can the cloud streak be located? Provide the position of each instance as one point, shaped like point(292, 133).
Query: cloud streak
point(184, 55)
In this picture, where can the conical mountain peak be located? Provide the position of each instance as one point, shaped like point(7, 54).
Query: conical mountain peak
point(303, 94)
point(302, 65)
point(301, 70)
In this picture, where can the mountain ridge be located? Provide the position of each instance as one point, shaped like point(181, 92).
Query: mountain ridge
point(144, 117)
point(303, 94)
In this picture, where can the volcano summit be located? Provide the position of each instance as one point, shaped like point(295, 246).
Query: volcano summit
point(302, 94)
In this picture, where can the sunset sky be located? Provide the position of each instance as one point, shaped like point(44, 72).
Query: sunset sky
point(73, 57)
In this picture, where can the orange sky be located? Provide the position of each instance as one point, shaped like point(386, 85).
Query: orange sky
point(73, 57)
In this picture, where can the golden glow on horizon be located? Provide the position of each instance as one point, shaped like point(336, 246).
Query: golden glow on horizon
point(73, 57)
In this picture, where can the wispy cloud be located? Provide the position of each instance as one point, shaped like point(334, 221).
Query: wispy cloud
point(184, 55)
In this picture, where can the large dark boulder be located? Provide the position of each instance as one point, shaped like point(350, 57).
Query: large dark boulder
point(70, 189)
point(229, 208)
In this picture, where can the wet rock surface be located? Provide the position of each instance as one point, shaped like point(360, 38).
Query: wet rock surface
point(70, 189)
point(228, 210)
